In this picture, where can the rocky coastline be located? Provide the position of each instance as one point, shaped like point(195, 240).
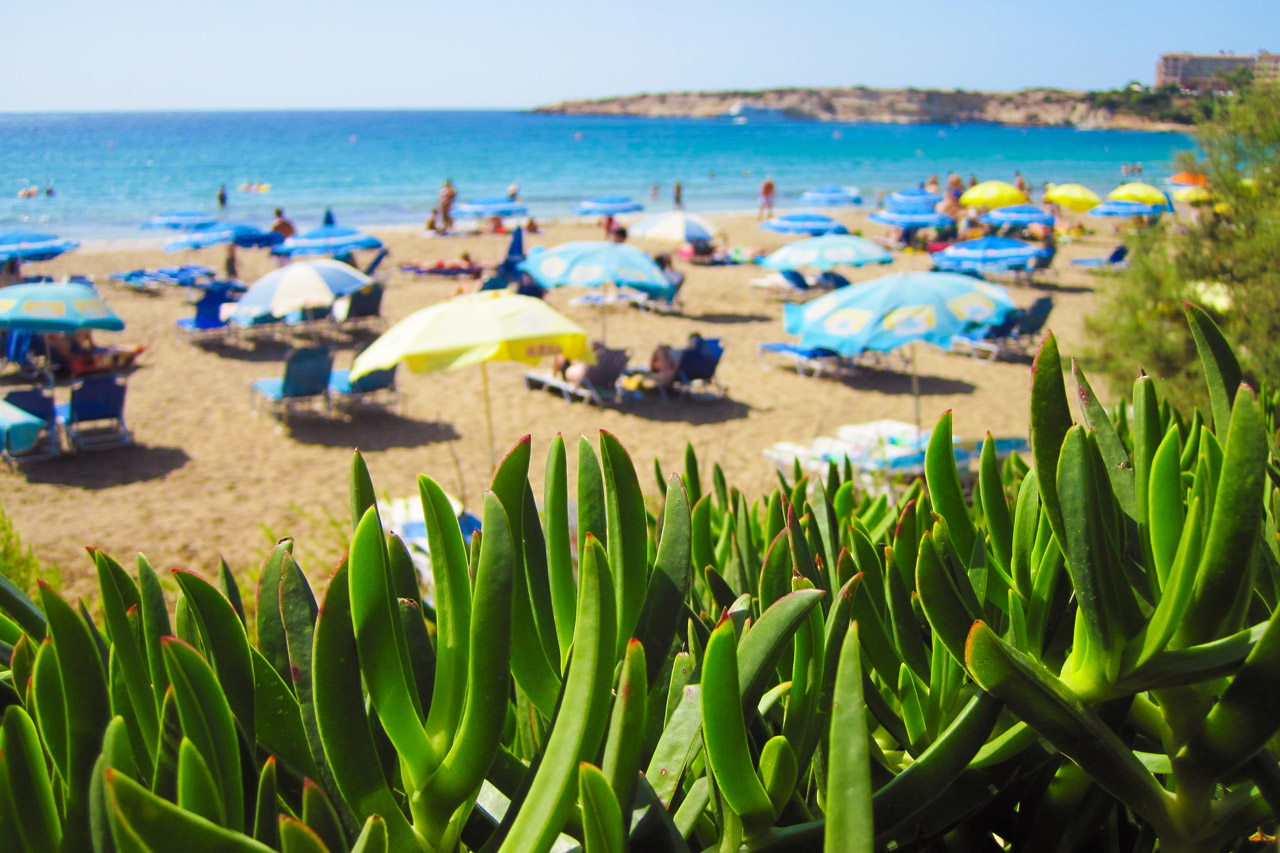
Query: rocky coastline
point(1025, 108)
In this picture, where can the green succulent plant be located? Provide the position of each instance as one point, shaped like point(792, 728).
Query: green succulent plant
point(1074, 655)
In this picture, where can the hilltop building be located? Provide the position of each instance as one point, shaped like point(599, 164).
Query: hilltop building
point(1202, 72)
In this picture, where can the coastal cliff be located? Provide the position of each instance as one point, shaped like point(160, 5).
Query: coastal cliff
point(1028, 107)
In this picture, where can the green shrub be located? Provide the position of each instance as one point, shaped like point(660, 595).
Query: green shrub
point(1077, 657)
point(18, 563)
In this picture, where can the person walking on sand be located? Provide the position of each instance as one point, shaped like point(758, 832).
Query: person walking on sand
point(767, 194)
point(222, 197)
point(447, 195)
point(677, 195)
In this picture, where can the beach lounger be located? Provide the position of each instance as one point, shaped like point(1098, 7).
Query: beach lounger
point(376, 389)
point(807, 361)
point(305, 383)
point(207, 322)
point(360, 310)
point(696, 369)
point(791, 286)
point(987, 343)
point(599, 385)
point(665, 302)
point(30, 425)
point(94, 419)
point(1118, 259)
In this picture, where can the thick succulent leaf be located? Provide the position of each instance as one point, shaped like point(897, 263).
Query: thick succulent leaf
point(624, 742)
point(669, 584)
point(155, 626)
point(1221, 370)
point(226, 644)
point(1118, 465)
point(118, 595)
point(677, 746)
point(384, 653)
point(1221, 582)
point(580, 717)
point(271, 637)
point(488, 679)
point(453, 614)
point(1242, 721)
point(725, 735)
point(601, 817)
point(1046, 704)
point(1050, 420)
point(341, 717)
point(23, 610)
point(197, 791)
point(297, 837)
point(373, 837)
point(39, 829)
point(266, 812)
point(848, 803)
point(627, 526)
point(764, 644)
point(555, 502)
point(591, 505)
point(944, 486)
point(206, 720)
point(320, 817)
point(152, 823)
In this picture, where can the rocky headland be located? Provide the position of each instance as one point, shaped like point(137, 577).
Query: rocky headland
point(1028, 107)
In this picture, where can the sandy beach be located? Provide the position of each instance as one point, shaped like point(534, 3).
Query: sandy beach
point(208, 478)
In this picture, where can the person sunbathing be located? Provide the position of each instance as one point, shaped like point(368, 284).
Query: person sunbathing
point(78, 355)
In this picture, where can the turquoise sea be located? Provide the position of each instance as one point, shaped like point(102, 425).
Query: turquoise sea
point(113, 170)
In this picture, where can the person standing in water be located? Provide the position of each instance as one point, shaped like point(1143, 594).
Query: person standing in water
point(447, 195)
point(677, 195)
point(222, 197)
point(768, 191)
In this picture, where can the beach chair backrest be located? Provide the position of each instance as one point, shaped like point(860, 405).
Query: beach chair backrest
point(378, 380)
point(608, 367)
point(98, 398)
point(700, 362)
point(306, 372)
point(1118, 255)
point(366, 302)
point(1005, 327)
point(1036, 316)
point(377, 260)
point(209, 307)
point(37, 402)
point(795, 279)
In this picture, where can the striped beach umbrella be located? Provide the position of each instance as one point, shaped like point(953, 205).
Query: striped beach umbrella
point(608, 205)
point(823, 253)
point(61, 307)
point(32, 246)
point(813, 224)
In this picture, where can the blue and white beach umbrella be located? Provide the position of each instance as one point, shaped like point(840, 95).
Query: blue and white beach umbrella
point(329, 240)
point(32, 246)
point(987, 254)
point(813, 224)
point(914, 199)
point(832, 197)
point(592, 263)
point(911, 219)
point(1017, 215)
point(244, 236)
point(1127, 208)
point(180, 220)
point(676, 226)
point(608, 205)
point(304, 284)
point(823, 253)
point(486, 207)
point(888, 312)
point(61, 307)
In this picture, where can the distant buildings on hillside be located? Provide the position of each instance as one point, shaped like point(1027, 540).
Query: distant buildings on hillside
point(1205, 72)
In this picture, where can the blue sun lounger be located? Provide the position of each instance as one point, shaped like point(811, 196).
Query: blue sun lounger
point(94, 419)
point(1118, 259)
point(304, 384)
point(29, 426)
point(373, 389)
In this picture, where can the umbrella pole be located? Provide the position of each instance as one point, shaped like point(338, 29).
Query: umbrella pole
point(604, 315)
point(488, 413)
point(915, 387)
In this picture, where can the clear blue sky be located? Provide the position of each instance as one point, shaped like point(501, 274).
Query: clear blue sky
point(162, 54)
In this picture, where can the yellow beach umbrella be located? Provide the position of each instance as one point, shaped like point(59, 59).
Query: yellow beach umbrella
point(1075, 197)
point(993, 194)
point(475, 329)
point(1137, 192)
point(1192, 195)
